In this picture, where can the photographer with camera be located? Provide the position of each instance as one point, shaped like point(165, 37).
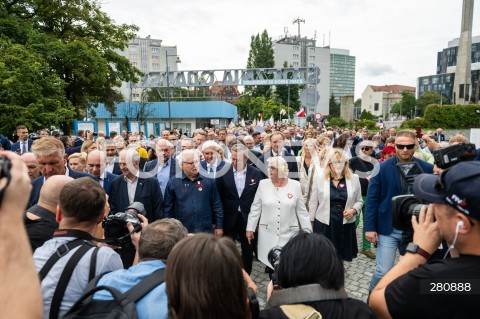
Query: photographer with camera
point(448, 288)
point(385, 183)
point(68, 261)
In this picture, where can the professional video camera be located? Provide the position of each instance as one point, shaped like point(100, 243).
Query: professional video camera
point(115, 225)
point(449, 156)
point(403, 208)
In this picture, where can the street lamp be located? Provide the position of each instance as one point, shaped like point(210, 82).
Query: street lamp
point(168, 84)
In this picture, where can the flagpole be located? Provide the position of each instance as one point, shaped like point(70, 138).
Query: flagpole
point(288, 106)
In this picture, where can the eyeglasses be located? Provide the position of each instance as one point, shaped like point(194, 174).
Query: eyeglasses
point(402, 146)
point(164, 150)
point(189, 163)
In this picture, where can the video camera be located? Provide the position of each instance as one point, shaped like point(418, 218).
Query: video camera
point(449, 156)
point(115, 225)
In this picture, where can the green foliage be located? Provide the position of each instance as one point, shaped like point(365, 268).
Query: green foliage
point(453, 116)
point(77, 42)
point(367, 115)
point(370, 124)
point(406, 106)
point(428, 98)
point(333, 107)
point(413, 123)
point(358, 103)
point(285, 92)
point(337, 121)
point(260, 56)
point(249, 107)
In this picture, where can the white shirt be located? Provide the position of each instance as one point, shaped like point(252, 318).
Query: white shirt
point(212, 168)
point(240, 177)
point(131, 188)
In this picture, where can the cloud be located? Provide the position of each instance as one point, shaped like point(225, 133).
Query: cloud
point(377, 69)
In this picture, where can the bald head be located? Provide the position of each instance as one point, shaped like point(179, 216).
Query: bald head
point(32, 164)
point(96, 163)
point(51, 190)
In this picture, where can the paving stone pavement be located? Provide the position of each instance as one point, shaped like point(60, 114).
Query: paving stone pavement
point(357, 274)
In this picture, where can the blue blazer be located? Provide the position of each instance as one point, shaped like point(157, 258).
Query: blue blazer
point(5, 143)
point(147, 192)
point(16, 146)
point(150, 166)
point(385, 184)
point(291, 162)
point(37, 184)
point(229, 195)
point(107, 182)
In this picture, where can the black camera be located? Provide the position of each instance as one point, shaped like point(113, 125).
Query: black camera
point(449, 156)
point(115, 225)
point(403, 208)
point(5, 166)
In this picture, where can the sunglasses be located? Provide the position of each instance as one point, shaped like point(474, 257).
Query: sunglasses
point(402, 146)
point(366, 148)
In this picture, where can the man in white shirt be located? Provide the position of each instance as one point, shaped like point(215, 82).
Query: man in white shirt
point(212, 162)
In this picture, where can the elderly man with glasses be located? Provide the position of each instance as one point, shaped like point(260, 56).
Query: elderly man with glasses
point(164, 166)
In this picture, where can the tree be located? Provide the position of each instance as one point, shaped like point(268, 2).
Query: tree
point(428, 98)
point(260, 56)
point(406, 106)
point(30, 92)
point(79, 43)
point(366, 115)
point(333, 107)
point(358, 103)
point(249, 108)
point(286, 92)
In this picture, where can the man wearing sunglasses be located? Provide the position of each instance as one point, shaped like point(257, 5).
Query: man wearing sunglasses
point(384, 184)
point(421, 288)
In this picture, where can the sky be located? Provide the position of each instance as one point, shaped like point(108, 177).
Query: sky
point(394, 42)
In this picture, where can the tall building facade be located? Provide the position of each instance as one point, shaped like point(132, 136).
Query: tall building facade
point(379, 100)
point(443, 81)
point(148, 55)
point(337, 70)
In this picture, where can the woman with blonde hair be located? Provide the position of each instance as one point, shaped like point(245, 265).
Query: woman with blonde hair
point(278, 209)
point(335, 201)
point(77, 161)
point(88, 146)
point(307, 160)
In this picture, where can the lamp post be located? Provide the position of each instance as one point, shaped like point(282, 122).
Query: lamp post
point(168, 84)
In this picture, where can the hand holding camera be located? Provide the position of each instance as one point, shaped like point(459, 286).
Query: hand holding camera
point(426, 233)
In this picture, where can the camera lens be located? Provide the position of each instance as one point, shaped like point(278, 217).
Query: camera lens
point(414, 209)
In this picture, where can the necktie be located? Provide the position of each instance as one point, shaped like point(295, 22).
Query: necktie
point(210, 172)
point(24, 147)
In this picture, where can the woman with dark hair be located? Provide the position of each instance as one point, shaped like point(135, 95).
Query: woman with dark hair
point(311, 280)
point(204, 279)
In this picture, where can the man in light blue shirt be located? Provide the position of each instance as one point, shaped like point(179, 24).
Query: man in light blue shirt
point(156, 241)
point(163, 167)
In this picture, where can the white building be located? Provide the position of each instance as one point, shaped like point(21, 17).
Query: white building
point(148, 55)
point(379, 100)
point(337, 70)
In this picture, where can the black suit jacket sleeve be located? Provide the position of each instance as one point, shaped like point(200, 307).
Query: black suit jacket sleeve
point(169, 200)
point(157, 199)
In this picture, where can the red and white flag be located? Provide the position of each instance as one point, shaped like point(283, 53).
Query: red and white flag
point(283, 112)
point(301, 113)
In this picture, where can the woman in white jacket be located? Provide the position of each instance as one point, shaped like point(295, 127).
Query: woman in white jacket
point(278, 209)
point(335, 200)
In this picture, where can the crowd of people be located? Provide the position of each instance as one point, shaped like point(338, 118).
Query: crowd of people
point(301, 191)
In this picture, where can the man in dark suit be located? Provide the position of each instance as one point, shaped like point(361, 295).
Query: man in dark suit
point(50, 154)
point(439, 134)
point(164, 166)
point(112, 157)
point(237, 188)
point(24, 144)
point(96, 163)
point(212, 166)
point(277, 141)
point(132, 187)
point(384, 184)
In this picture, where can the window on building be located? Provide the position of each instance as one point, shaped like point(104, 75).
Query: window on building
point(133, 56)
point(154, 57)
point(295, 48)
point(134, 63)
point(133, 48)
point(425, 81)
point(295, 64)
point(296, 56)
point(311, 65)
point(154, 50)
point(461, 94)
point(312, 57)
point(312, 49)
point(155, 65)
point(376, 106)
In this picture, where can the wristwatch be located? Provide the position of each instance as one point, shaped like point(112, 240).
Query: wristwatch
point(415, 249)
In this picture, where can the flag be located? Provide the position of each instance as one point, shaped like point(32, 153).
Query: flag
point(231, 125)
point(260, 123)
point(283, 112)
point(271, 121)
point(242, 123)
point(301, 113)
point(254, 122)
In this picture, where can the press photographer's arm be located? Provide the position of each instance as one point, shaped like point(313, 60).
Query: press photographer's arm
point(19, 283)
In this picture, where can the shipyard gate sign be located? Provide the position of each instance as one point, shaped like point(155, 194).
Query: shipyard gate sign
point(231, 77)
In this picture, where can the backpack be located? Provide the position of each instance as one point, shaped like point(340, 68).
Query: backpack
point(123, 304)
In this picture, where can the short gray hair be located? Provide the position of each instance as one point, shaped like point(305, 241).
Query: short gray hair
point(184, 153)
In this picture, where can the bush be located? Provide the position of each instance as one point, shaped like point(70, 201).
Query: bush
point(453, 116)
point(422, 122)
point(337, 121)
point(370, 124)
point(367, 115)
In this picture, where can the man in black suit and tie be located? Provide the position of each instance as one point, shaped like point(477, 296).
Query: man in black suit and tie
point(24, 144)
point(237, 188)
point(112, 157)
point(212, 165)
point(131, 187)
point(96, 163)
point(277, 141)
point(439, 134)
point(50, 154)
point(164, 166)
